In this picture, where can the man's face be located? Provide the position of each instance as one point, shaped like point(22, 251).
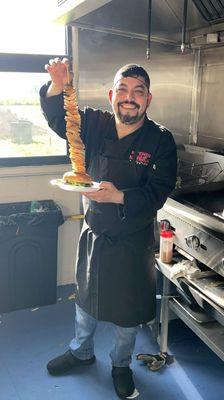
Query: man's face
point(130, 99)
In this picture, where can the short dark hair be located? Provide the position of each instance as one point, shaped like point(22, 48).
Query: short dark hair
point(133, 70)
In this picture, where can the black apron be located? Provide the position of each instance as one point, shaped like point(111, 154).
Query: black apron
point(115, 274)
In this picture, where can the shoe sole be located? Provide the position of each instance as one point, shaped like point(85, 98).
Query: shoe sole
point(133, 395)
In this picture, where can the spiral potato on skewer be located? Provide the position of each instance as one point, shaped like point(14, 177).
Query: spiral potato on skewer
point(78, 175)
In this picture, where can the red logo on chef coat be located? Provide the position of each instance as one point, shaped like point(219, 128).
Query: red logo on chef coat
point(142, 157)
point(132, 154)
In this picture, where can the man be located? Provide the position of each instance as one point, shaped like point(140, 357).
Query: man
point(134, 159)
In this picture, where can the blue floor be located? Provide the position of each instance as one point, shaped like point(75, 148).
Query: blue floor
point(28, 339)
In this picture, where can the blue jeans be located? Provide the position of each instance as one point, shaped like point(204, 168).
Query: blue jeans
point(82, 346)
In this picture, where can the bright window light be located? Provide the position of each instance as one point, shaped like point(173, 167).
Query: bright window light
point(29, 37)
point(27, 27)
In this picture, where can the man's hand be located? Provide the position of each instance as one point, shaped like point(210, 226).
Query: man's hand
point(108, 193)
point(60, 75)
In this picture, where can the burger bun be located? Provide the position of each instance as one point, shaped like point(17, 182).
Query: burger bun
point(77, 179)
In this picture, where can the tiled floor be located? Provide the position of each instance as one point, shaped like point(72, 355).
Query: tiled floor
point(28, 339)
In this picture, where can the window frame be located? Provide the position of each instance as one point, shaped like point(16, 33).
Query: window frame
point(34, 63)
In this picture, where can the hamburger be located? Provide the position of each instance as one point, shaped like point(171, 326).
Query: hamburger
point(77, 179)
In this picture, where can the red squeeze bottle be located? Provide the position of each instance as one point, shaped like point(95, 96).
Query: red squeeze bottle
point(166, 246)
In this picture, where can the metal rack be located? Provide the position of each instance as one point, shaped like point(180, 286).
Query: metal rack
point(211, 333)
point(191, 174)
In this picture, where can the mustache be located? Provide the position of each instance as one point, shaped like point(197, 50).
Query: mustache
point(132, 103)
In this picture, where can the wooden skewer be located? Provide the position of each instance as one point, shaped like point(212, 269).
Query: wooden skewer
point(68, 75)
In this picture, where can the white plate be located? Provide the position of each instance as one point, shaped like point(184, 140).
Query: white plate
point(72, 188)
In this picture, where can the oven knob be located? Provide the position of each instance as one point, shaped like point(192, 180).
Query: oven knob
point(193, 242)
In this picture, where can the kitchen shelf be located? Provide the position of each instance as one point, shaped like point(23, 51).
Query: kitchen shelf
point(211, 333)
point(210, 329)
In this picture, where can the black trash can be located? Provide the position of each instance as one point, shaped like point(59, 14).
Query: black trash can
point(28, 249)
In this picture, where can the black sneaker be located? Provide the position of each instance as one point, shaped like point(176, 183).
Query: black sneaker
point(66, 362)
point(123, 383)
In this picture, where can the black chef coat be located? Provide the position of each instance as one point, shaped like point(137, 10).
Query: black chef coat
point(115, 274)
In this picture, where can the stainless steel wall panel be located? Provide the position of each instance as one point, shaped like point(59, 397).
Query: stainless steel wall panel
point(100, 55)
point(211, 115)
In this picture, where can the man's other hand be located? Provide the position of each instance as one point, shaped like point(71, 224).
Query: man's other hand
point(108, 193)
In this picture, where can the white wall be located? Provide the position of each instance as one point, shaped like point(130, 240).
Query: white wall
point(33, 183)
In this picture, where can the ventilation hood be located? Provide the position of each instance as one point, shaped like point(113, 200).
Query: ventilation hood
point(131, 16)
point(211, 10)
point(70, 10)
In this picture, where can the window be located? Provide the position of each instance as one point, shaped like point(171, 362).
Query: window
point(27, 27)
point(29, 42)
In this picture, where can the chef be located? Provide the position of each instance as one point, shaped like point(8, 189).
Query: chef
point(134, 159)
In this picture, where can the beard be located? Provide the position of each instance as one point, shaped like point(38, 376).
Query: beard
point(128, 118)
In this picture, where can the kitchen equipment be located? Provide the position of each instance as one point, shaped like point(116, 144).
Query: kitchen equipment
point(195, 213)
